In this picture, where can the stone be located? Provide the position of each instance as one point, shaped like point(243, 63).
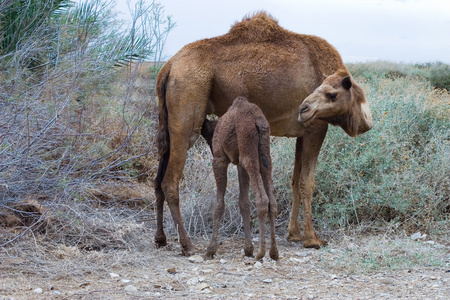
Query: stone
point(192, 281)
point(195, 259)
point(38, 291)
point(130, 288)
point(114, 275)
point(202, 286)
point(418, 236)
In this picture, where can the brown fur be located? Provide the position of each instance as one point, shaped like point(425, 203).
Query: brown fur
point(242, 137)
point(273, 68)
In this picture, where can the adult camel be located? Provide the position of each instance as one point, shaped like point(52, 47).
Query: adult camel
point(273, 68)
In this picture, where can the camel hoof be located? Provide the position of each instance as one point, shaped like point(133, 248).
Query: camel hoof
point(274, 254)
point(208, 256)
point(315, 243)
point(248, 251)
point(295, 238)
point(160, 241)
point(188, 251)
point(260, 255)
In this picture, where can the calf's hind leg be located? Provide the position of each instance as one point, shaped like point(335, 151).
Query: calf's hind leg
point(262, 201)
point(267, 179)
point(244, 208)
point(220, 166)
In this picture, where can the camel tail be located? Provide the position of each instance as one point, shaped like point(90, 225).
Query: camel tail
point(163, 139)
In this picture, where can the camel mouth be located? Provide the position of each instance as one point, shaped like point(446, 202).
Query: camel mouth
point(306, 115)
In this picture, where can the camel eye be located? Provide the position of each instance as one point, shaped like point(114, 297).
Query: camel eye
point(331, 97)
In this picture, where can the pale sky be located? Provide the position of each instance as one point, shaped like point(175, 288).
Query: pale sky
point(395, 30)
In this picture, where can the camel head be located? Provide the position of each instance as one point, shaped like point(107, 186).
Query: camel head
point(339, 101)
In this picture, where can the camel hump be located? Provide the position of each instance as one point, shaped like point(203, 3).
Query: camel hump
point(259, 27)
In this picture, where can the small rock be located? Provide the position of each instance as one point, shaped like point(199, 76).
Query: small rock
point(202, 286)
point(223, 261)
point(429, 242)
point(268, 280)
point(418, 236)
point(207, 271)
point(38, 291)
point(298, 260)
point(311, 296)
point(172, 271)
point(333, 277)
point(130, 288)
point(195, 259)
point(192, 281)
point(258, 265)
point(302, 254)
point(114, 275)
point(219, 285)
point(126, 280)
point(57, 292)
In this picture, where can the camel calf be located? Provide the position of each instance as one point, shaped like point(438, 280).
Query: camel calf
point(242, 137)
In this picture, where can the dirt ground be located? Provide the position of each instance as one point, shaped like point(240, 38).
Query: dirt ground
point(351, 268)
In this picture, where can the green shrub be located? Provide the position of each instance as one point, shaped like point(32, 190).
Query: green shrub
point(396, 172)
point(440, 76)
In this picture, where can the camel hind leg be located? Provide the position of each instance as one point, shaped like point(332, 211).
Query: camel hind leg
point(185, 115)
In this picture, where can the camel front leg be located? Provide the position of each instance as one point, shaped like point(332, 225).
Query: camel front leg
point(294, 234)
point(307, 153)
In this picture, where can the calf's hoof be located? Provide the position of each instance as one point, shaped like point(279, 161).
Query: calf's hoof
point(274, 254)
point(314, 243)
point(248, 251)
point(160, 241)
point(209, 254)
point(260, 255)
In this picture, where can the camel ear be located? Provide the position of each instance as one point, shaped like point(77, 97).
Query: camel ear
point(347, 83)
